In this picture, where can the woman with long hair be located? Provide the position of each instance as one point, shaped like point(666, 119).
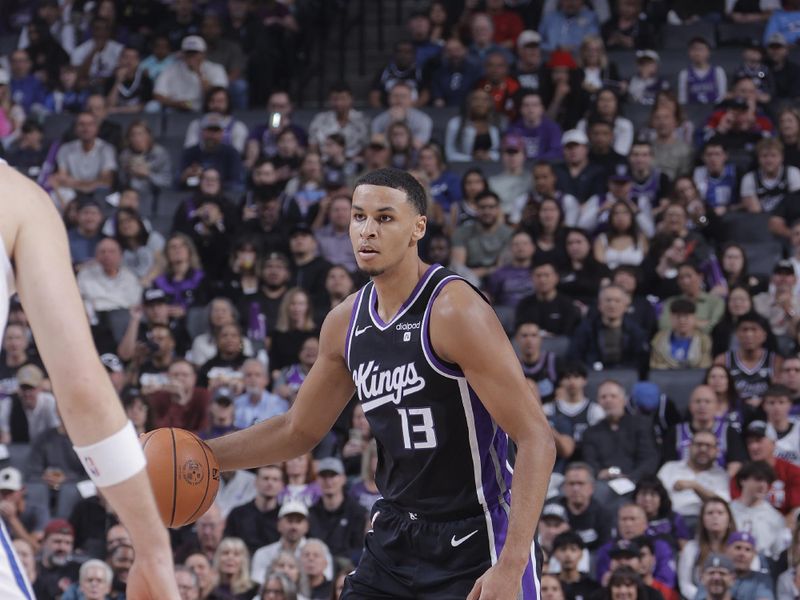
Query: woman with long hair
point(716, 524)
point(401, 146)
point(718, 378)
point(606, 108)
point(548, 233)
point(475, 134)
point(733, 262)
point(142, 248)
point(583, 273)
point(182, 279)
point(144, 165)
point(723, 335)
point(137, 410)
point(300, 480)
point(440, 22)
point(220, 312)
point(598, 70)
point(622, 243)
point(241, 278)
point(232, 566)
point(473, 183)
point(662, 521)
point(789, 133)
point(294, 325)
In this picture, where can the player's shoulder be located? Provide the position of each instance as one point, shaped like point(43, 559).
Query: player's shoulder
point(21, 201)
point(458, 300)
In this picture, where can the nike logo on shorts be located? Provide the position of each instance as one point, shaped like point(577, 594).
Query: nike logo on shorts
point(455, 543)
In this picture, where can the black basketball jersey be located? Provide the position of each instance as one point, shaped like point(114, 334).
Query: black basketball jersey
point(440, 453)
point(751, 382)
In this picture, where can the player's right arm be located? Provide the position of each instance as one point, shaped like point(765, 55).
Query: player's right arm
point(88, 405)
point(322, 397)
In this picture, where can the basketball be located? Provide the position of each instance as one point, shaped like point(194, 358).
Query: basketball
point(183, 472)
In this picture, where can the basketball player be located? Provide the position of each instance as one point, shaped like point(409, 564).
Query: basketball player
point(441, 387)
point(35, 260)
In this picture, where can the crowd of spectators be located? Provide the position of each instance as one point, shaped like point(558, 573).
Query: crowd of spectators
point(617, 251)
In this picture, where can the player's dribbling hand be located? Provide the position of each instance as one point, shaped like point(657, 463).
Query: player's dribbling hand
point(496, 584)
point(151, 578)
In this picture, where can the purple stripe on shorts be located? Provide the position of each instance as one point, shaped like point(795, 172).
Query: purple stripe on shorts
point(530, 583)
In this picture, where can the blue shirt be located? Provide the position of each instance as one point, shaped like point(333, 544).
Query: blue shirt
point(446, 190)
point(679, 347)
point(561, 31)
point(81, 248)
point(28, 91)
point(785, 22)
point(452, 83)
point(246, 413)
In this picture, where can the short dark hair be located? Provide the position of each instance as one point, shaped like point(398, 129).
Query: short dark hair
point(487, 194)
point(340, 86)
point(681, 306)
point(755, 318)
point(757, 469)
point(645, 541)
point(568, 538)
point(715, 141)
point(692, 265)
point(572, 369)
point(778, 391)
point(398, 180)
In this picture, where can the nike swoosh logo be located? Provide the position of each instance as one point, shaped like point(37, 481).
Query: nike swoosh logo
point(362, 330)
point(455, 543)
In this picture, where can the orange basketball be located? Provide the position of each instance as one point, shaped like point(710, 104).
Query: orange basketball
point(183, 472)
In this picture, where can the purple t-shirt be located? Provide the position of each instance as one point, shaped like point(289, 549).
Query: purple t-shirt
point(542, 142)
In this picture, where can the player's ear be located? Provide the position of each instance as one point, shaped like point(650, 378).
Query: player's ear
point(420, 226)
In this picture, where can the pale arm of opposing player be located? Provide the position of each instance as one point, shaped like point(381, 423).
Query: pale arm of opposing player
point(87, 401)
point(321, 398)
point(465, 331)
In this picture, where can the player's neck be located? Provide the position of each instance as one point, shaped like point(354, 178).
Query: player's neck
point(395, 286)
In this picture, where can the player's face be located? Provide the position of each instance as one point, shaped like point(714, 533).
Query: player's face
point(384, 228)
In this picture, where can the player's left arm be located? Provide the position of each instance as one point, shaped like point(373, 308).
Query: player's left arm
point(465, 331)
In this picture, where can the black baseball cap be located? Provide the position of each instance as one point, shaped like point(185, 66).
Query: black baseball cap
point(301, 229)
point(154, 295)
point(624, 548)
